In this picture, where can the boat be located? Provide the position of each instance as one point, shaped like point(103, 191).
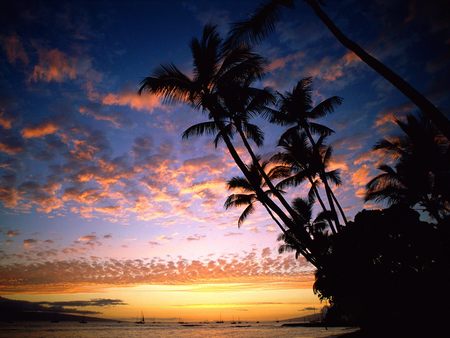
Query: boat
point(220, 321)
point(142, 321)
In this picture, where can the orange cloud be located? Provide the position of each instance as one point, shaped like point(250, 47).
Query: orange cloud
point(388, 116)
point(10, 149)
point(133, 100)
point(281, 62)
point(244, 268)
point(14, 49)
point(5, 121)
point(361, 176)
point(40, 130)
point(54, 65)
point(329, 71)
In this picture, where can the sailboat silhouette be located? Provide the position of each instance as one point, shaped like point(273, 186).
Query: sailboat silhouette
point(142, 321)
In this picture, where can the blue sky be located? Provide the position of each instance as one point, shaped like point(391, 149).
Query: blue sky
point(91, 172)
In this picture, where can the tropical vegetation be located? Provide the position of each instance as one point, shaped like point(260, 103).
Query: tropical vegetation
point(362, 264)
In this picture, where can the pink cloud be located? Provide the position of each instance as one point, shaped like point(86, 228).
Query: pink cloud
point(14, 49)
point(133, 100)
point(54, 65)
point(329, 71)
point(28, 243)
point(12, 233)
point(10, 149)
point(40, 130)
point(282, 61)
point(5, 121)
point(255, 266)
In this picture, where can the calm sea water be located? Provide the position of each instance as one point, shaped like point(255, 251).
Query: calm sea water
point(131, 330)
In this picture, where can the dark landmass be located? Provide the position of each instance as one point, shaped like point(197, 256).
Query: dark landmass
point(31, 316)
point(20, 311)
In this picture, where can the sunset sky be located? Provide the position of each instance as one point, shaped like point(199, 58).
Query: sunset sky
point(100, 198)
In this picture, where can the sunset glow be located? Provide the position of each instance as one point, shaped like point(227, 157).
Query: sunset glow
point(100, 198)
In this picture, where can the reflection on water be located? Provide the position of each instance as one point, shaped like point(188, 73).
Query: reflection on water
point(110, 330)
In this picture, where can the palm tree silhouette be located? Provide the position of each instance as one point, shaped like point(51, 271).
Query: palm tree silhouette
point(317, 228)
point(296, 107)
point(262, 22)
point(249, 197)
point(301, 162)
point(421, 174)
point(216, 69)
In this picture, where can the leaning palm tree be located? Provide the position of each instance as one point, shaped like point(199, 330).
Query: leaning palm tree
point(318, 228)
point(421, 173)
point(302, 162)
point(262, 22)
point(215, 68)
point(296, 107)
point(248, 196)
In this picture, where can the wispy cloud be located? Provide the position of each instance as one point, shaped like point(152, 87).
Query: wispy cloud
point(40, 130)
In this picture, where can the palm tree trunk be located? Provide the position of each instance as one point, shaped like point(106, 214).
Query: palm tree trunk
point(269, 183)
point(429, 109)
point(340, 208)
point(322, 204)
point(274, 218)
point(325, 183)
point(305, 242)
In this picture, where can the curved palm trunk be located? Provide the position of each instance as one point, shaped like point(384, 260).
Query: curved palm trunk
point(340, 208)
point(269, 183)
point(325, 183)
point(305, 242)
point(434, 114)
point(274, 218)
point(322, 204)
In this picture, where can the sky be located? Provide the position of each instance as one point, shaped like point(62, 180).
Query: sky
point(100, 198)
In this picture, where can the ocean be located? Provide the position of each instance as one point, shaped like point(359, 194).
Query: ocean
point(173, 330)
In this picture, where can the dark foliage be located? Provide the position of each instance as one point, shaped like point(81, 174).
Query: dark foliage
point(388, 269)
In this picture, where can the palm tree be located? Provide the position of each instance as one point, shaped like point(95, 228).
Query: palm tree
point(296, 107)
point(304, 162)
point(248, 196)
point(317, 228)
point(215, 69)
point(262, 22)
point(421, 174)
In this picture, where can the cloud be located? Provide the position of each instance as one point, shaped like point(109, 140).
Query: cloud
point(230, 234)
point(146, 102)
point(12, 233)
point(361, 176)
point(282, 61)
point(329, 70)
point(5, 120)
point(68, 274)
point(54, 65)
point(83, 303)
point(114, 119)
point(386, 118)
point(14, 49)
point(195, 237)
point(11, 146)
point(40, 130)
point(28, 243)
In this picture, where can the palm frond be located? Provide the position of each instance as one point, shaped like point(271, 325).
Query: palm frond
point(208, 128)
point(254, 133)
point(238, 182)
point(247, 211)
point(325, 107)
point(259, 25)
point(318, 128)
point(170, 83)
point(237, 200)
